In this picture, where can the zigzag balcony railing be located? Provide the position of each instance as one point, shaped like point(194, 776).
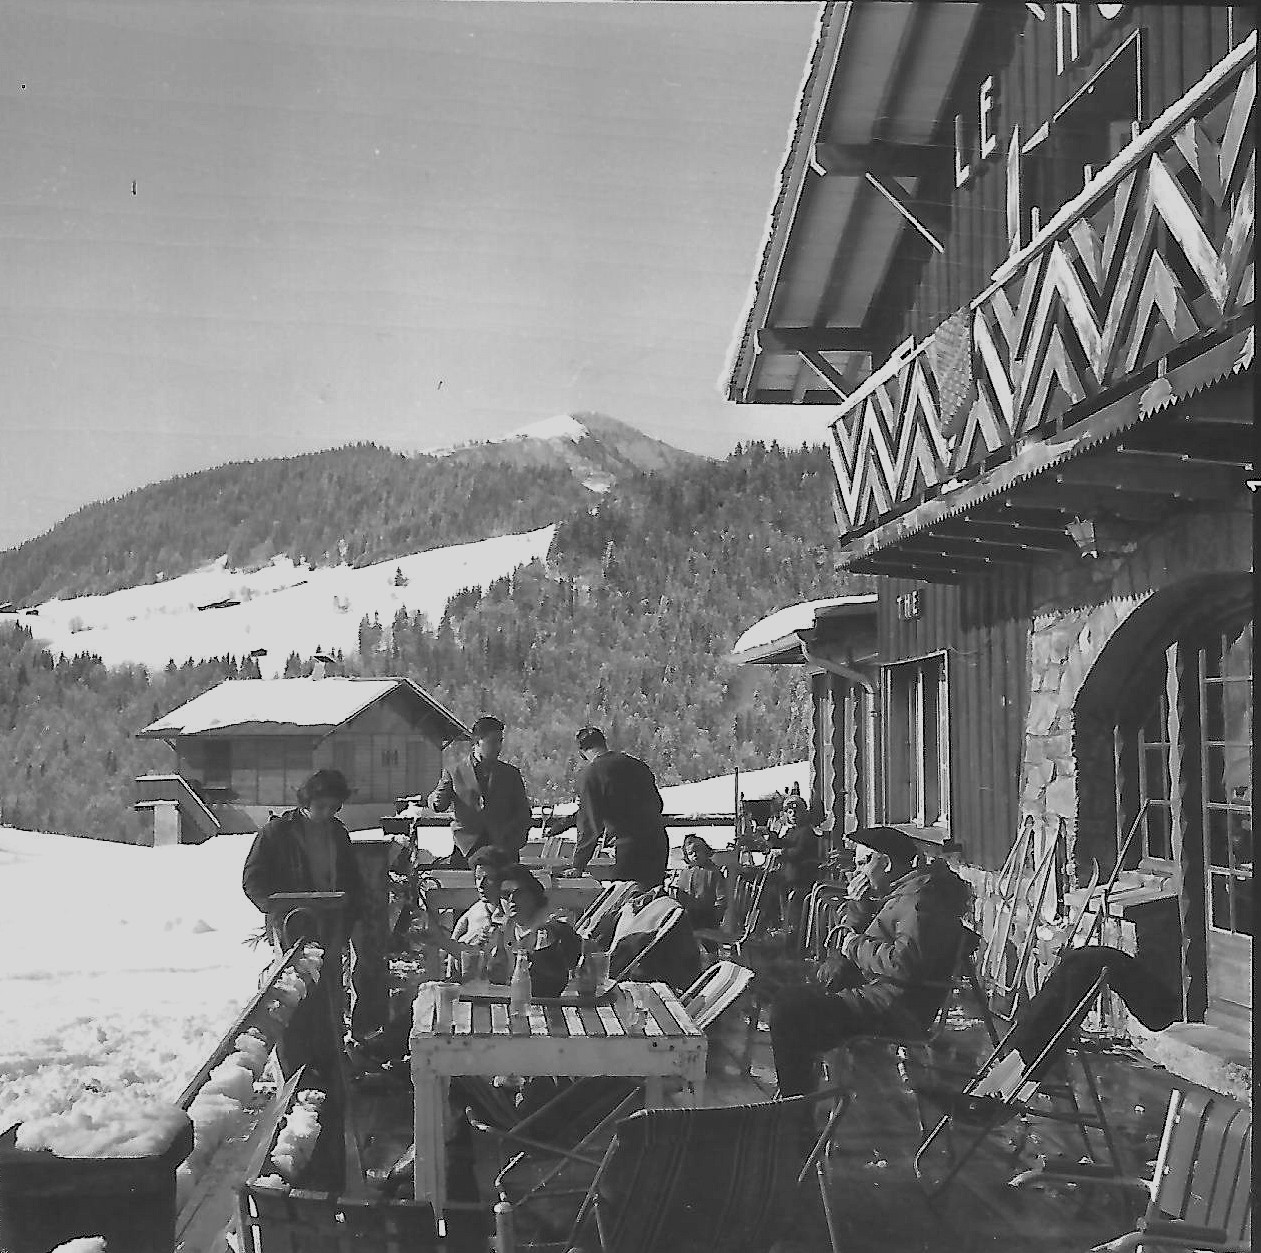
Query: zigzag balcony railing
point(1156, 251)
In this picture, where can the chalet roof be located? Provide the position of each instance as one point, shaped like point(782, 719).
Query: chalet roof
point(290, 706)
point(870, 114)
point(779, 636)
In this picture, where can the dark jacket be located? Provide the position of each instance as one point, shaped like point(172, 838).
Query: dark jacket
point(618, 797)
point(798, 855)
point(276, 863)
point(702, 892)
point(913, 940)
point(499, 814)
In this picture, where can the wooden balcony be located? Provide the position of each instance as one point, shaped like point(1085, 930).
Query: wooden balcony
point(1135, 295)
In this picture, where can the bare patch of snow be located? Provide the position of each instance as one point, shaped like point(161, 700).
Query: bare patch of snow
point(562, 426)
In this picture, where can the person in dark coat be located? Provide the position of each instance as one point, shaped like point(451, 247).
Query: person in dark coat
point(486, 796)
point(618, 799)
point(700, 887)
point(883, 976)
point(309, 850)
point(798, 847)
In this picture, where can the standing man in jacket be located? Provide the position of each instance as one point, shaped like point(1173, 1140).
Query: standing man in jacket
point(308, 849)
point(618, 798)
point(487, 798)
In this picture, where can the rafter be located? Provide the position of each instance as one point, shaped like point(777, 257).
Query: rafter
point(885, 160)
point(924, 222)
point(815, 339)
point(1152, 474)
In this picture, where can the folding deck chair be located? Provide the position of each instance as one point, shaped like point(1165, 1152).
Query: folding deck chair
point(613, 895)
point(747, 914)
point(1200, 1196)
point(705, 1180)
point(1009, 1085)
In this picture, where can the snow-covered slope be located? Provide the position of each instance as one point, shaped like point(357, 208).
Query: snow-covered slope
point(282, 608)
point(119, 966)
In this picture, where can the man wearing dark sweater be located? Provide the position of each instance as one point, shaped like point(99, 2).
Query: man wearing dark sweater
point(618, 799)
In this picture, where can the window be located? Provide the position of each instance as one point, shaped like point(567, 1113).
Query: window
point(1226, 747)
point(918, 744)
point(1153, 782)
point(218, 763)
point(1083, 136)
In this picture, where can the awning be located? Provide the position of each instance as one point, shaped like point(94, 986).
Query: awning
point(784, 636)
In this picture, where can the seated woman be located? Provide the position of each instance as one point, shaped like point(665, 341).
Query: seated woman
point(552, 945)
point(700, 888)
point(487, 912)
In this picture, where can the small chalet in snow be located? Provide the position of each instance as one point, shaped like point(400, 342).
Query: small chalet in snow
point(243, 748)
point(1011, 258)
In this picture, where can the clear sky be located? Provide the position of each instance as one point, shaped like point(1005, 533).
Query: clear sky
point(249, 229)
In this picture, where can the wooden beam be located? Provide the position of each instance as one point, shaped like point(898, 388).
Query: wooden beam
point(905, 568)
point(1152, 475)
point(827, 372)
point(1036, 524)
point(925, 222)
point(1074, 501)
point(979, 553)
point(996, 535)
point(1207, 445)
point(803, 339)
point(885, 160)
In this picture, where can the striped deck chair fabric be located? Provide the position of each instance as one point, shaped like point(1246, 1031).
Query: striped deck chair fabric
point(696, 1180)
point(612, 897)
point(715, 992)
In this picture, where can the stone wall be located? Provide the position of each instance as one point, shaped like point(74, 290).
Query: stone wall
point(1067, 787)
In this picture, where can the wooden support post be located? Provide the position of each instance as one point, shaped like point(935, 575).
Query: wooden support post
point(371, 935)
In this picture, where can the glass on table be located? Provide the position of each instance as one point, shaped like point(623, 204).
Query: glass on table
point(470, 964)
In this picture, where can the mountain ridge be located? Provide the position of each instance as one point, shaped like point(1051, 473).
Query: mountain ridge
point(382, 504)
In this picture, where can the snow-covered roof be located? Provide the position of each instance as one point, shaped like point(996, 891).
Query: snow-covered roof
point(279, 706)
point(779, 632)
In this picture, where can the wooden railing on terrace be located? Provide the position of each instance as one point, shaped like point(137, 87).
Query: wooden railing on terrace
point(1154, 253)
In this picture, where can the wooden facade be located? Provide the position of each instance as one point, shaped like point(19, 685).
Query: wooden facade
point(1041, 424)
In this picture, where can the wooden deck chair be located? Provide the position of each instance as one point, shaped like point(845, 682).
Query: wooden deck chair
point(272, 1220)
point(613, 895)
point(1008, 1085)
point(1200, 1196)
point(711, 1179)
point(747, 915)
point(651, 924)
point(715, 992)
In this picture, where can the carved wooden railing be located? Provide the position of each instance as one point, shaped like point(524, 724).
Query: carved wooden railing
point(1154, 253)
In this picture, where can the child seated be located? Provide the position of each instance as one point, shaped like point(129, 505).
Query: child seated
point(700, 888)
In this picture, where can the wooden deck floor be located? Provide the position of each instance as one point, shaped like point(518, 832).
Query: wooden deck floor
point(870, 1179)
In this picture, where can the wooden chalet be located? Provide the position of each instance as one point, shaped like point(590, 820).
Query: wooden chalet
point(1011, 256)
point(243, 748)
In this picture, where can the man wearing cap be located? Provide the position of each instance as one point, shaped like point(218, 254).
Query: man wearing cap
point(618, 798)
point(486, 797)
point(885, 974)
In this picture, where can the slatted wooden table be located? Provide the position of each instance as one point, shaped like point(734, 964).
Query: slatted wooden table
point(456, 891)
point(555, 1041)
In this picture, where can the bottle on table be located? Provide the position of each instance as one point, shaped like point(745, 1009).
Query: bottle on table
point(519, 989)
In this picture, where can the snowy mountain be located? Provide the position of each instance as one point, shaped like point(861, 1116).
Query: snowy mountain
point(280, 607)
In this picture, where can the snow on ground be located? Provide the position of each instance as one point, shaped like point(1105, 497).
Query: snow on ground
point(283, 608)
point(560, 427)
point(119, 966)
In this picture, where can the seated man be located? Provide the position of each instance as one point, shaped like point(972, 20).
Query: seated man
point(877, 981)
